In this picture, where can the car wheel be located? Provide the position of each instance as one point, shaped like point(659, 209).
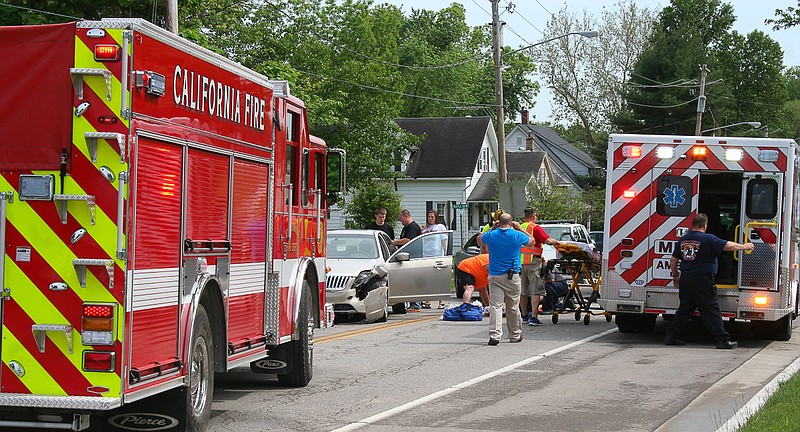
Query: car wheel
point(399, 308)
point(385, 316)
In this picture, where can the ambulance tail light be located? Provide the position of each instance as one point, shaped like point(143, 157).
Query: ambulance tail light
point(734, 154)
point(632, 151)
point(760, 300)
point(106, 52)
point(627, 241)
point(99, 361)
point(629, 193)
point(768, 156)
point(627, 253)
point(97, 324)
point(665, 152)
point(699, 153)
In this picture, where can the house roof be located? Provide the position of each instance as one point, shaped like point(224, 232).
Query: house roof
point(547, 139)
point(520, 166)
point(451, 147)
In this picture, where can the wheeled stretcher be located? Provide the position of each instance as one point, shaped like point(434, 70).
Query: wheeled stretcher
point(584, 271)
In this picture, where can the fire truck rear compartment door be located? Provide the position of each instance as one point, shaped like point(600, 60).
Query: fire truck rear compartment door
point(762, 199)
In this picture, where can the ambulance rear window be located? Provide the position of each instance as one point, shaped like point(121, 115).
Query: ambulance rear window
point(762, 199)
point(674, 196)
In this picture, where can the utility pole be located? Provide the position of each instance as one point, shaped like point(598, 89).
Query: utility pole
point(497, 43)
point(172, 16)
point(701, 100)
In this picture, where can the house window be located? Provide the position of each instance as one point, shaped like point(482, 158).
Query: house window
point(484, 163)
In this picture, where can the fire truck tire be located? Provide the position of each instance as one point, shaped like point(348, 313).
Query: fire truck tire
point(301, 350)
point(399, 308)
point(201, 374)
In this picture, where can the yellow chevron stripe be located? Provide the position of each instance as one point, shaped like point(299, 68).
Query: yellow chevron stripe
point(53, 249)
point(41, 311)
point(106, 153)
point(84, 58)
point(36, 379)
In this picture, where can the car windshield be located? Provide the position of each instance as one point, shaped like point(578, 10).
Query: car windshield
point(558, 232)
point(352, 247)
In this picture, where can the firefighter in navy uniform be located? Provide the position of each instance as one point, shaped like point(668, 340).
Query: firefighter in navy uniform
point(698, 252)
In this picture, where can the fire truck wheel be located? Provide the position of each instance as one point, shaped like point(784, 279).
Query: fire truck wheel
point(399, 308)
point(201, 374)
point(301, 350)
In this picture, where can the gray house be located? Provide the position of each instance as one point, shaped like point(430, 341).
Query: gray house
point(568, 161)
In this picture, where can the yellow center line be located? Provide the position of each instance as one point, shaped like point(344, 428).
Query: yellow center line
point(372, 329)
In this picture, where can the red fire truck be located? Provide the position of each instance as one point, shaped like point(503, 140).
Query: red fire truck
point(748, 188)
point(162, 218)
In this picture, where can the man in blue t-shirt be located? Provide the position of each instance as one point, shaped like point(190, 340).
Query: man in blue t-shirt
point(504, 241)
point(697, 252)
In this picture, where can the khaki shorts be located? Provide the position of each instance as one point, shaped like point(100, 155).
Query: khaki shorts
point(532, 282)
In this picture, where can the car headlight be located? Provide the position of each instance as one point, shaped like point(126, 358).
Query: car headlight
point(362, 278)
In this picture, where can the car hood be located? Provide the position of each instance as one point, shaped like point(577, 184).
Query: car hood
point(351, 266)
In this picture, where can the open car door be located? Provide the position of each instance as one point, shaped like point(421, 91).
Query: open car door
point(422, 269)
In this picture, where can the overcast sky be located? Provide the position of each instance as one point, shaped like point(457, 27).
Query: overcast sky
point(526, 24)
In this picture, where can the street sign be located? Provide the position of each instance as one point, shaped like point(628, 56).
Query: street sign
point(460, 206)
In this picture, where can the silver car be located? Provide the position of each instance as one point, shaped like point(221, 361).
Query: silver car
point(366, 275)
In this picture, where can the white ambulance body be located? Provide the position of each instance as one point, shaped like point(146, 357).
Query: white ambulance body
point(748, 187)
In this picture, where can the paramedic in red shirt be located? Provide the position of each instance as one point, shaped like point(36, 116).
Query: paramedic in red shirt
point(697, 252)
point(531, 259)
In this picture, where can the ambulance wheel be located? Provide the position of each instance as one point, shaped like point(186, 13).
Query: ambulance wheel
point(783, 328)
point(201, 373)
point(626, 323)
point(555, 318)
point(399, 308)
point(586, 319)
point(301, 350)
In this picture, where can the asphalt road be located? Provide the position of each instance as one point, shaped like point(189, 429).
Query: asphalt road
point(417, 372)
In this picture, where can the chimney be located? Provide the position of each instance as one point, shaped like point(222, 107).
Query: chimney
point(529, 142)
point(524, 116)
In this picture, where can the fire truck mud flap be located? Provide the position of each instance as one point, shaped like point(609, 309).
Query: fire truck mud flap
point(147, 415)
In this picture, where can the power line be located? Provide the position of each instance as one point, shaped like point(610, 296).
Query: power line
point(39, 11)
point(663, 106)
point(470, 104)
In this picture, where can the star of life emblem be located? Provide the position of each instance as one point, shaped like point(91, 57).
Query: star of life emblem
point(674, 196)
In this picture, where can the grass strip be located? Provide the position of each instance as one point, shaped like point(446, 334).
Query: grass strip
point(780, 413)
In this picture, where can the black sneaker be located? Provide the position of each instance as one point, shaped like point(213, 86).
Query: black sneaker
point(669, 340)
point(493, 342)
point(726, 344)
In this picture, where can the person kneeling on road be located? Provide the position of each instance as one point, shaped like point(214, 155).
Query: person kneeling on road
point(474, 275)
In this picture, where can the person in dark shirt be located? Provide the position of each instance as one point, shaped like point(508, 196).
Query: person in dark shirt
point(410, 230)
point(697, 252)
point(380, 223)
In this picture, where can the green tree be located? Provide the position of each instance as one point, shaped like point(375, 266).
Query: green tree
point(369, 196)
point(788, 17)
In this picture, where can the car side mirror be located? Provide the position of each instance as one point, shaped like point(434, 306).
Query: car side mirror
point(402, 256)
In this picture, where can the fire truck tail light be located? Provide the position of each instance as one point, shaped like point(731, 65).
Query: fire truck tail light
point(97, 324)
point(768, 156)
point(760, 301)
point(629, 193)
point(631, 151)
point(98, 361)
point(664, 152)
point(106, 52)
point(699, 153)
point(734, 154)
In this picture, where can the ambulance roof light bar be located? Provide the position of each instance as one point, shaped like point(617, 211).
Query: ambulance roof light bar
point(632, 151)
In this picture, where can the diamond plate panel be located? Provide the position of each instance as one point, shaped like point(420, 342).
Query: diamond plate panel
point(273, 308)
point(64, 402)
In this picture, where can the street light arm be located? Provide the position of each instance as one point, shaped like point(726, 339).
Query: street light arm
point(588, 34)
point(754, 125)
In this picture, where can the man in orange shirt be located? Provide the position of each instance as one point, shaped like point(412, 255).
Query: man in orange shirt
point(474, 275)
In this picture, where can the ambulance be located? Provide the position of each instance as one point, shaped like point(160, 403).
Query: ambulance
point(748, 187)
